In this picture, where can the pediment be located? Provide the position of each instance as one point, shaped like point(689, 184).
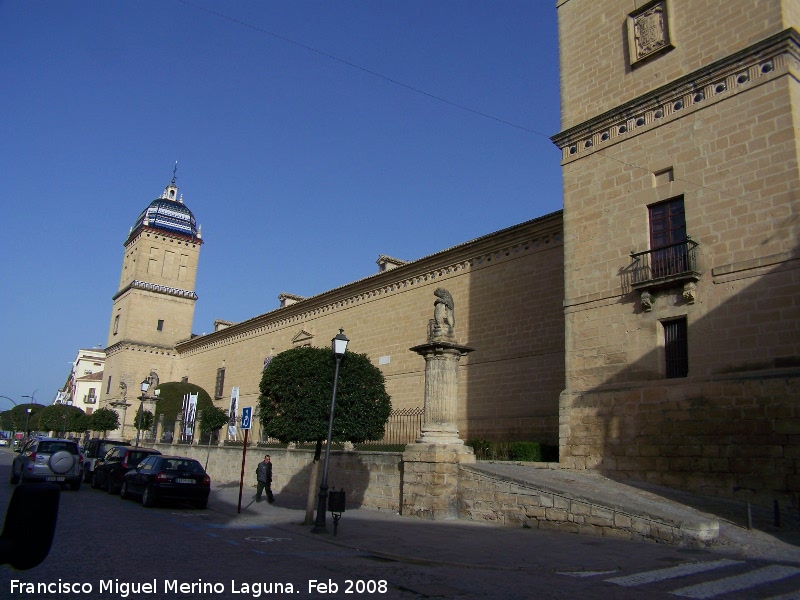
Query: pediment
point(302, 338)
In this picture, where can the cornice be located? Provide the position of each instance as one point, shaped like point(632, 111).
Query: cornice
point(158, 289)
point(774, 56)
point(532, 236)
point(137, 233)
point(134, 346)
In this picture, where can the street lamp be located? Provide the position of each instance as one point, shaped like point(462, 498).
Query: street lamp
point(151, 379)
point(339, 346)
point(27, 418)
point(144, 386)
point(9, 399)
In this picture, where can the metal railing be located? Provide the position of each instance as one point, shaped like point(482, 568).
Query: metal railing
point(667, 262)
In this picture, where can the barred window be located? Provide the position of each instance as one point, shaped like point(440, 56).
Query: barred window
point(219, 386)
point(676, 347)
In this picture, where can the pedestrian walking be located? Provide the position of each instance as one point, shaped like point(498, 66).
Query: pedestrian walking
point(264, 478)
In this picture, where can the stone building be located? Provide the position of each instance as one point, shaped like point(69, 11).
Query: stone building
point(680, 137)
point(652, 329)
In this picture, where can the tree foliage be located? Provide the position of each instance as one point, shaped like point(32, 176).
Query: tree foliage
point(104, 419)
point(170, 399)
point(6, 421)
point(296, 390)
point(213, 418)
point(143, 420)
point(62, 418)
point(20, 417)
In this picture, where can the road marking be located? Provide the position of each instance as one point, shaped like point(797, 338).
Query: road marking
point(267, 540)
point(679, 571)
point(737, 582)
point(585, 573)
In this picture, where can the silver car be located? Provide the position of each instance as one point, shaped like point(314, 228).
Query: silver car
point(49, 459)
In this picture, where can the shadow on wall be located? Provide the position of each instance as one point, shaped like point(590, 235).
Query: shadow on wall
point(728, 428)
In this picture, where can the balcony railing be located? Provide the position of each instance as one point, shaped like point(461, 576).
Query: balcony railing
point(673, 263)
point(90, 399)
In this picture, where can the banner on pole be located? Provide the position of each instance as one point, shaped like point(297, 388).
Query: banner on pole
point(232, 409)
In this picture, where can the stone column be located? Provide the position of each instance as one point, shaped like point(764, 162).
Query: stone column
point(430, 465)
point(159, 428)
point(176, 429)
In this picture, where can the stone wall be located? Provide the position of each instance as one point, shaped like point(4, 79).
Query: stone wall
point(487, 498)
point(507, 288)
point(370, 479)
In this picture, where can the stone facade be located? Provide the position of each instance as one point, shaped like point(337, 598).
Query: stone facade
point(508, 288)
point(713, 123)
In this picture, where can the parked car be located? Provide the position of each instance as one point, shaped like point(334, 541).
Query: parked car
point(168, 478)
point(49, 459)
point(3, 441)
point(110, 470)
point(94, 450)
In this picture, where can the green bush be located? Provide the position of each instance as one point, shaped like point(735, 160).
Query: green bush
point(525, 451)
point(514, 451)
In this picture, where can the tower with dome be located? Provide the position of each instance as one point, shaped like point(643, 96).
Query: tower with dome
point(154, 306)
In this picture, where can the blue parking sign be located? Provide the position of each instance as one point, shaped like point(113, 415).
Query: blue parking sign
point(247, 417)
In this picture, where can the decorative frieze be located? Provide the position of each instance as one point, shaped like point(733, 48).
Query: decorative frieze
point(774, 55)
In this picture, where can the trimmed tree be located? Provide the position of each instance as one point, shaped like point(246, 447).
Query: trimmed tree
point(295, 401)
point(20, 417)
point(61, 418)
point(103, 419)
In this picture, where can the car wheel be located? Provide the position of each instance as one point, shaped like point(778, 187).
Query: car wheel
point(148, 497)
point(201, 503)
point(94, 481)
point(87, 477)
point(14, 478)
point(75, 485)
point(110, 487)
point(123, 491)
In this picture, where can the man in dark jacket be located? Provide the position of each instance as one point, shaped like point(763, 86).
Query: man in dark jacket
point(264, 477)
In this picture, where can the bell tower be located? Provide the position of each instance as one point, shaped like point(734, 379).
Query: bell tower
point(153, 307)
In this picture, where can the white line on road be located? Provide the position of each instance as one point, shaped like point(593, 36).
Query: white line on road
point(738, 582)
point(679, 571)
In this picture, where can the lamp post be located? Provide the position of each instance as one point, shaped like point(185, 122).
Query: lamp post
point(9, 399)
point(145, 385)
point(339, 346)
point(27, 419)
point(150, 380)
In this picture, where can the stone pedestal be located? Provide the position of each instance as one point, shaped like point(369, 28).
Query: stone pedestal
point(430, 465)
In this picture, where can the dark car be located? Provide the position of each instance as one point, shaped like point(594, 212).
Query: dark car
point(94, 450)
point(110, 471)
point(48, 459)
point(168, 478)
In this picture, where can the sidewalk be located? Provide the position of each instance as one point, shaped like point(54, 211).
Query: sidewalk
point(389, 536)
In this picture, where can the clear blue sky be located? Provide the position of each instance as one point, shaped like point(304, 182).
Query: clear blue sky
point(310, 138)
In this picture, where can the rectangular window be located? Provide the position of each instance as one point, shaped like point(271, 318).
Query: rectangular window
point(219, 386)
point(676, 348)
point(670, 253)
point(108, 385)
point(116, 324)
point(160, 325)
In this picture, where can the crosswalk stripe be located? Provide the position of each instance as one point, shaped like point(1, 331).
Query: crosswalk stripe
point(669, 573)
point(790, 596)
point(737, 582)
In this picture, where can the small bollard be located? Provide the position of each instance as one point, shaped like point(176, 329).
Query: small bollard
point(336, 502)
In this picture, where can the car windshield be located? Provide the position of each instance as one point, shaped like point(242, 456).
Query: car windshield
point(185, 466)
point(53, 447)
point(135, 457)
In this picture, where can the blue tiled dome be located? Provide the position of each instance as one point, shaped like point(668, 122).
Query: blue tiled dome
point(168, 213)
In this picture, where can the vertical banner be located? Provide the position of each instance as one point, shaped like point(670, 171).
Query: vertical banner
point(189, 410)
point(232, 412)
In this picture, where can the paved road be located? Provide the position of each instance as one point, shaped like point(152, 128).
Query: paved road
point(114, 548)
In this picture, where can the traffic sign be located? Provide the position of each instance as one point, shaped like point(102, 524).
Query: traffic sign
point(247, 417)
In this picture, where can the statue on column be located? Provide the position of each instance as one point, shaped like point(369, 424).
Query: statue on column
point(444, 319)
